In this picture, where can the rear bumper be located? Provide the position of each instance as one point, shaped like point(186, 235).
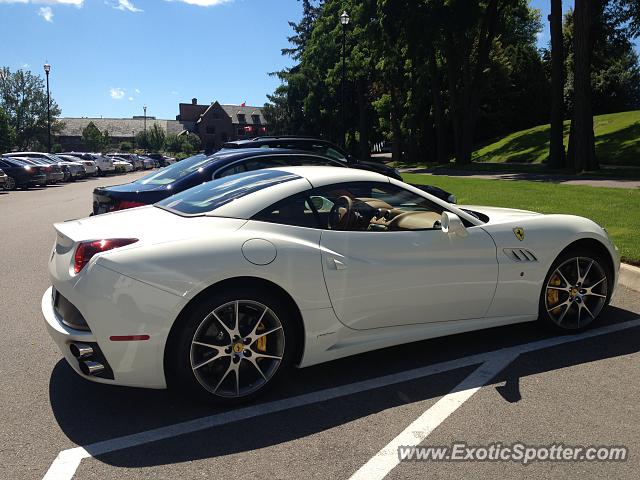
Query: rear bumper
point(115, 306)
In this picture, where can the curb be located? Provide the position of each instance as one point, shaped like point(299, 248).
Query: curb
point(629, 277)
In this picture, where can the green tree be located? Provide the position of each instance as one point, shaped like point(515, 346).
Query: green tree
point(125, 146)
point(24, 99)
point(92, 137)
point(7, 133)
point(155, 137)
point(172, 143)
point(142, 142)
point(189, 143)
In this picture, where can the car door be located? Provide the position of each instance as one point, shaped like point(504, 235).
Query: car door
point(382, 278)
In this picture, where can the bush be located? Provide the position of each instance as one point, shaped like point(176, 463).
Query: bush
point(126, 147)
point(56, 148)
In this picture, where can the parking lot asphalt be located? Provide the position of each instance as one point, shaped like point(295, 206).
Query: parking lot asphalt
point(342, 416)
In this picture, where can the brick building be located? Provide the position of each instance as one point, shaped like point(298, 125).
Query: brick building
point(215, 124)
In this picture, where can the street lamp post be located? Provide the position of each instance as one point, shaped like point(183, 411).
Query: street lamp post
point(145, 119)
point(47, 69)
point(344, 20)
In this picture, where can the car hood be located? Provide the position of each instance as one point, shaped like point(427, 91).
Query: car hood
point(498, 214)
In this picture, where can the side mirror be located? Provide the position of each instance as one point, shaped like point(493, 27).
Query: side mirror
point(452, 225)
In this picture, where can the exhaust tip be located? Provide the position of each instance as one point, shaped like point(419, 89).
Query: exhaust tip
point(91, 368)
point(81, 350)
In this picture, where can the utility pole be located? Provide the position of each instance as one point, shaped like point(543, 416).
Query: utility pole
point(47, 69)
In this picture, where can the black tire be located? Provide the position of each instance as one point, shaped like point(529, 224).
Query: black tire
point(10, 184)
point(180, 354)
point(568, 308)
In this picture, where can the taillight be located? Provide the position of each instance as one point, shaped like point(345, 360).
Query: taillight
point(86, 250)
point(124, 204)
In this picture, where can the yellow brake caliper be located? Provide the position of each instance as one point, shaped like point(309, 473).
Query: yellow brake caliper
point(552, 294)
point(261, 344)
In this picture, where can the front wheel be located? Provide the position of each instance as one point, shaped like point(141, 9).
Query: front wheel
point(232, 347)
point(576, 289)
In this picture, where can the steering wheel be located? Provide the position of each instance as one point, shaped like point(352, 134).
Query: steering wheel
point(341, 213)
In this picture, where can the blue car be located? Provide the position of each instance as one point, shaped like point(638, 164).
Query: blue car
point(196, 170)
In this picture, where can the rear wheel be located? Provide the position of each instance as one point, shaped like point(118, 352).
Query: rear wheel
point(233, 346)
point(576, 289)
point(10, 184)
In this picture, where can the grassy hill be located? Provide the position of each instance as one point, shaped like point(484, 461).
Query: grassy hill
point(617, 142)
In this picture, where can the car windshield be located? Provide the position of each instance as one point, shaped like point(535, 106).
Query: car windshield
point(176, 171)
point(211, 195)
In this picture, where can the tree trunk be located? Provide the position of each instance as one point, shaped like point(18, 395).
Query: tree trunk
point(438, 109)
point(584, 157)
point(556, 145)
point(363, 119)
point(396, 128)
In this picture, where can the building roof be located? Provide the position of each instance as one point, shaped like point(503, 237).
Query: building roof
point(117, 127)
point(247, 111)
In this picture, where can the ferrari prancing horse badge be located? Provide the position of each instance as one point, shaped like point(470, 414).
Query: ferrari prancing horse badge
point(519, 233)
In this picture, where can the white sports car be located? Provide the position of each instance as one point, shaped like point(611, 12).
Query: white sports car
point(221, 287)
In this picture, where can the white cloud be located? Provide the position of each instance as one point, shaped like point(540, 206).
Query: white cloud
point(137, 90)
point(174, 92)
point(131, 99)
point(46, 13)
point(203, 3)
point(116, 93)
point(127, 6)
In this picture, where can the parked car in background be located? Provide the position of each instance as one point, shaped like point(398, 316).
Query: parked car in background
point(195, 170)
point(90, 167)
point(104, 164)
point(331, 150)
point(162, 160)
point(54, 173)
point(3, 178)
point(121, 165)
point(21, 174)
point(71, 169)
point(132, 158)
point(148, 163)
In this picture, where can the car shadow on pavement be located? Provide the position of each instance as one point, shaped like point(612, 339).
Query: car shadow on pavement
point(88, 412)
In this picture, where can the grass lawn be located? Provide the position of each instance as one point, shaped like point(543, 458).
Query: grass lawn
point(616, 209)
point(617, 142)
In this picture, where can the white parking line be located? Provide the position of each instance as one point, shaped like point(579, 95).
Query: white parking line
point(387, 458)
point(67, 461)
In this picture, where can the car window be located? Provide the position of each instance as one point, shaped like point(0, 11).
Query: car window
point(295, 210)
point(232, 170)
point(266, 162)
point(373, 206)
point(211, 195)
point(176, 171)
point(329, 152)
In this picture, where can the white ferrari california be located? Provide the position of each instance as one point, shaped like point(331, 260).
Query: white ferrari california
point(220, 288)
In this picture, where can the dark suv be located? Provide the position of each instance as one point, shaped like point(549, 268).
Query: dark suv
point(331, 150)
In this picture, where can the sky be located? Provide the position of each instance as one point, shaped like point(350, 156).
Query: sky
point(109, 58)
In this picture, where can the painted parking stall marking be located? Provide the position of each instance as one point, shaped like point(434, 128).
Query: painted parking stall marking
point(490, 364)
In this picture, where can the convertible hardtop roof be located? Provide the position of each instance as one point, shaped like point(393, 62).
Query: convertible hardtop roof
point(325, 175)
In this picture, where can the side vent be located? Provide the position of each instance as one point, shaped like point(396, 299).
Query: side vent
point(520, 255)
